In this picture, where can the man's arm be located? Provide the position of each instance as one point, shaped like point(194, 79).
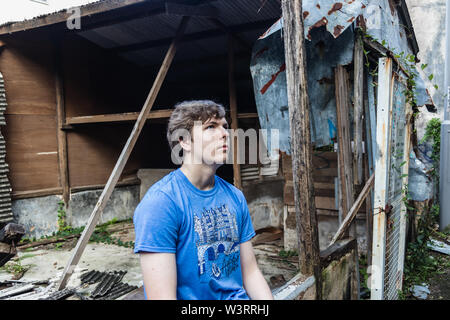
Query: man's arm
point(159, 271)
point(254, 282)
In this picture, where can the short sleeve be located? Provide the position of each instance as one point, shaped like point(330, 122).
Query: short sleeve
point(246, 231)
point(156, 224)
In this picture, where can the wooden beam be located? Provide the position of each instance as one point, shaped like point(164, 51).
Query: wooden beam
point(118, 117)
point(302, 166)
point(358, 109)
point(233, 113)
point(35, 193)
point(121, 162)
point(367, 169)
point(63, 16)
point(354, 210)
point(61, 134)
point(343, 131)
point(133, 116)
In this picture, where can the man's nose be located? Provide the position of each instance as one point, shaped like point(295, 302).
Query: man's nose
point(225, 133)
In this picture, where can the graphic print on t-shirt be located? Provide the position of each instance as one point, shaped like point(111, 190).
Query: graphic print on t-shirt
point(217, 242)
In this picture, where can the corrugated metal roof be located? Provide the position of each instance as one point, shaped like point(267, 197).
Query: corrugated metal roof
point(162, 26)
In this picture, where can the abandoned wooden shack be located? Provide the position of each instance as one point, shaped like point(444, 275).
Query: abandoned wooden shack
point(73, 95)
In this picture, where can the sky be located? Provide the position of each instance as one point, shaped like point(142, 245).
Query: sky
point(18, 10)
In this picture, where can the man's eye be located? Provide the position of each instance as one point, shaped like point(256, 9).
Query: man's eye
point(210, 127)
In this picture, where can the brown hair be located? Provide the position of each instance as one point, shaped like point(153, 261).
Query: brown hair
point(187, 112)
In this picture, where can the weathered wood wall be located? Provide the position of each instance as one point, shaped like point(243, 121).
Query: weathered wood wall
point(31, 144)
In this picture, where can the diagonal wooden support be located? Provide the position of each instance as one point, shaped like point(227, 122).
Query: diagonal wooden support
point(121, 162)
point(354, 210)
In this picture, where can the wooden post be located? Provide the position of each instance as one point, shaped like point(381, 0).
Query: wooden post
point(368, 139)
point(297, 90)
point(344, 146)
point(61, 118)
point(358, 109)
point(121, 162)
point(233, 112)
point(382, 165)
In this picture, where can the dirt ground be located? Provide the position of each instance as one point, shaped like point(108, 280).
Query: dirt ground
point(47, 261)
point(439, 285)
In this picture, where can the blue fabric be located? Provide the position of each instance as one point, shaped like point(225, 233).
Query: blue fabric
point(203, 228)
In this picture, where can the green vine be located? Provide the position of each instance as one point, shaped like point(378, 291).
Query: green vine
point(433, 134)
point(62, 222)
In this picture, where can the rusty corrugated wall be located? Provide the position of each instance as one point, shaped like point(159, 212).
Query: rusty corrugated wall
point(6, 214)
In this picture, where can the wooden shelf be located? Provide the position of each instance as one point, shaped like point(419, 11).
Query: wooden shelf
point(131, 116)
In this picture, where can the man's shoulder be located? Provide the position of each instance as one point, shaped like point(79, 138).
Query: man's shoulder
point(165, 187)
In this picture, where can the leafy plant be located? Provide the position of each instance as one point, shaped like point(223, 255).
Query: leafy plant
point(62, 223)
point(16, 268)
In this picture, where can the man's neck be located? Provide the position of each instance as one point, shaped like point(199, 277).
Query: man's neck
point(200, 175)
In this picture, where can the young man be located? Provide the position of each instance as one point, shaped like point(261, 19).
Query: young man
point(192, 227)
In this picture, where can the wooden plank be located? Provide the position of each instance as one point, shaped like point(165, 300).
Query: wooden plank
point(121, 162)
point(344, 146)
point(298, 101)
point(64, 15)
point(132, 116)
point(250, 115)
point(53, 191)
point(61, 134)
point(118, 117)
point(353, 211)
point(358, 102)
point(233, 113)
point(382, 167)
point(368, 169)
point(35, 193)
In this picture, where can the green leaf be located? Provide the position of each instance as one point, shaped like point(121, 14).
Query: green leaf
point(436, 87)
point(423, 66)
point(430, 77)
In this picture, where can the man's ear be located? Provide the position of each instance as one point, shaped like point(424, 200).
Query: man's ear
point(186, 144)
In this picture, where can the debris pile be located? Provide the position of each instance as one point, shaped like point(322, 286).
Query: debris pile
point(109, 287)
point(10, 235)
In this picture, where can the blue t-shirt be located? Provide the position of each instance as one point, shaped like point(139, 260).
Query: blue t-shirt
point(204, 230)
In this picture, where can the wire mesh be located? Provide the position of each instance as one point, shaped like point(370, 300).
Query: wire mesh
point(393, 269)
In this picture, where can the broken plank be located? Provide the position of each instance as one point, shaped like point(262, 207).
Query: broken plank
point(358, 109)
point(343, 132)
point(352, 213)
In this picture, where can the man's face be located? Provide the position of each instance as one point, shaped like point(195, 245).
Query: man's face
point(210, 143)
